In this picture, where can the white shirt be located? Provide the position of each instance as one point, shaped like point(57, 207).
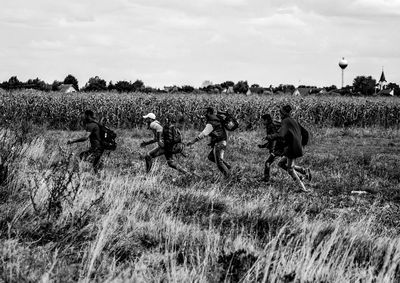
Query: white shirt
point(156, 127)
point(208, 130)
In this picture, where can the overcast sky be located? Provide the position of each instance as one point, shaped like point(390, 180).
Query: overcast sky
point(167, 42)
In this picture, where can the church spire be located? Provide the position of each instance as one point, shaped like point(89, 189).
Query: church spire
point(382, 79)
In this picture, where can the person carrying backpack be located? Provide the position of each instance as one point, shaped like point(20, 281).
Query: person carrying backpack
point(274, 147)
point(216, 130)
point(96, 150)
point(169, 140)
point(294, 137)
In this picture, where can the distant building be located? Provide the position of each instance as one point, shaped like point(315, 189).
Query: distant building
point(171, 89)
point(302, 91)
point(268, 92)
point(66, 88)
point(333, 93)
point(386, 92)
point(228, 90)
point(382, 81)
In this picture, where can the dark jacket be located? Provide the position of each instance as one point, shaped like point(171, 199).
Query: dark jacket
point(290, 132)
point(219, 133)
point(277, 146)
point(95, 140)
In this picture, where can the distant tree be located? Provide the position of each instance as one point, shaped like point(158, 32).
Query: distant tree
point(123, 86)
point(95, 84)
point(285, 88)
point(241, 87)
point(395, 87)
point(13, 83)
point(217, 87)
point(330, 88)
point(227, 84)
point(307, 86)
point(289, 88)
point(364, 85)
point(348, 91)
point(255, 88)
point(149, 89)
point(55, 85)
point(207, 89)
point(37, 84)
point(70, 79)
point(110, 86)
point(187, 89)
point(137, 85)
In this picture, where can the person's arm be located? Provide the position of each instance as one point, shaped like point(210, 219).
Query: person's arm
point(207, 130)
point(283, 130)
point(156, 138)
point(78, 140)
point(145, 143)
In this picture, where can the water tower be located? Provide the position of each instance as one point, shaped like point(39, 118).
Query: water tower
point(343, 64)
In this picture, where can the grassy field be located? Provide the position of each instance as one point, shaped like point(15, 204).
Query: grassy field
point(61, 223)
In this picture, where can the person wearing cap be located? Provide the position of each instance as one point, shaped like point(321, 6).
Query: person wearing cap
point(217, 133)
point(169, 150)
point(96, 150)
point(157, 129)
point(291, 134)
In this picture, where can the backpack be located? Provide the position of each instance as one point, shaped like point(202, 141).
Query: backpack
point(228, 121)
point(305, 136)
point(171, 135)
point(107, 137)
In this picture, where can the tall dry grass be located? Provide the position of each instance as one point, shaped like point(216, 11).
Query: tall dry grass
point(125, 226)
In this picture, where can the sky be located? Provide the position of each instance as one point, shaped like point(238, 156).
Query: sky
point(176, 42)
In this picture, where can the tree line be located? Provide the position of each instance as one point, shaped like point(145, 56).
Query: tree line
point(362, 85)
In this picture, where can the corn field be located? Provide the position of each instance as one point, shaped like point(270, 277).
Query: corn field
point(123, 110)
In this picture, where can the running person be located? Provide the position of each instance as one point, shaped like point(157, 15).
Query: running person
point(166, 145)
point(96, 150)
point(275, 147)
point(292, 134)
point(217, 133)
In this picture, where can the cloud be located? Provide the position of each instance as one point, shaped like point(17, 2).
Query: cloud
point(178, 41)
point(46, 44)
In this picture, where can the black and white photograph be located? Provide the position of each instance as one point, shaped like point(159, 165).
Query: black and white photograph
point(200, 141)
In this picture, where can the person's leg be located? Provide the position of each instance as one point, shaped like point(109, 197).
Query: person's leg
point(97, 161)
point(170, 155)
point(293, 174)
point(283, 163)
point(267, 167)
point(227, 165)
point(155, 152)
point(171, 161)
point(211, 156)
point(303, 171)
point(219, 151)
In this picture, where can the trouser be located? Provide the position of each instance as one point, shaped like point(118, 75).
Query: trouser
point(288, 164)
point(282, 163)
point(170, 155)
point(216, 155)
point(93, 155)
